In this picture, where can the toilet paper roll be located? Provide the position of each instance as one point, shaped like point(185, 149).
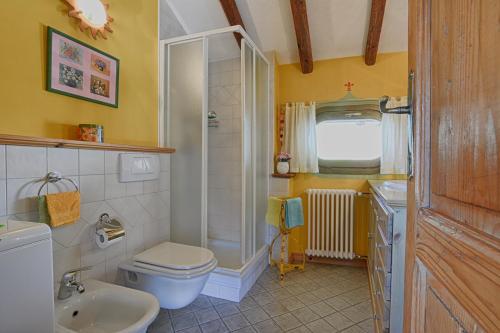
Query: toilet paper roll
point(107, 237)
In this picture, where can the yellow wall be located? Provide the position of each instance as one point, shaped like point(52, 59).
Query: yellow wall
point(28, 109)
point(326, 83)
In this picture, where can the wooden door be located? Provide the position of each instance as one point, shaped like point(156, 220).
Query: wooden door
point(453, 240)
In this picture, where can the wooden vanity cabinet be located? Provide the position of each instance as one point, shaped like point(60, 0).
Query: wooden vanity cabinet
point(386, 263)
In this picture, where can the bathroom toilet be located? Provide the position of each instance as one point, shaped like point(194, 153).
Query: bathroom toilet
point(175, 273)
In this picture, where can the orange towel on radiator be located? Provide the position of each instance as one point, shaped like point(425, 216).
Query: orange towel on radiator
point(63, 208)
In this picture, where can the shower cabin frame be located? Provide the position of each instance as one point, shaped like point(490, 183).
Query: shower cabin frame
point(164, 114)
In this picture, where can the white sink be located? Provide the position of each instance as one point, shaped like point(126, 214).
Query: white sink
point(395, 186)
point(105, 307)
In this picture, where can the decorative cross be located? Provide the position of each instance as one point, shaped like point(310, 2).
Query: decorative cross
point(348, 85)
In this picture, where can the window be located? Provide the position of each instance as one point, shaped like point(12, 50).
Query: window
point(354, 140)
point(349, 143)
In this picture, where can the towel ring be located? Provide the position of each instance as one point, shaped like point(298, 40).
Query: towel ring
point(54, 177)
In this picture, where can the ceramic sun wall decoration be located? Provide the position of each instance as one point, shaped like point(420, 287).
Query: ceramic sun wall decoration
point(93, 15)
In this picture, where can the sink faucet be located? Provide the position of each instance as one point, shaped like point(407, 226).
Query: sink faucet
point(69, 284)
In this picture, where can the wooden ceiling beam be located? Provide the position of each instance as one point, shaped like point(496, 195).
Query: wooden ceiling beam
point(374, 29)
point(299, 12)
point(233, 16)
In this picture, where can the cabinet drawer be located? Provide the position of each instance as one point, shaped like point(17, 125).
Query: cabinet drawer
point(385, 250)
point(383, 218)
point(382, 314)
point(382, 278)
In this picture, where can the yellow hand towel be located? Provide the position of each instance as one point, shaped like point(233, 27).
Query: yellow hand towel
point(64, 208)
point(273, 211)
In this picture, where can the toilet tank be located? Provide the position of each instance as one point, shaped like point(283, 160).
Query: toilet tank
point(26, 281)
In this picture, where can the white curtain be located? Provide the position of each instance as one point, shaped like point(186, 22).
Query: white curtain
point(300, 137)
point(394, 140)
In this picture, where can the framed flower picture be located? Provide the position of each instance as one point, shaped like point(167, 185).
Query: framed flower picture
point(79, 70)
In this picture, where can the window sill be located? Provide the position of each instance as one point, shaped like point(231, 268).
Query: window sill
point(279, 175)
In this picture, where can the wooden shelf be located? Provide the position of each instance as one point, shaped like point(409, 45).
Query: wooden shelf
point(279, 175)
point(18, 140)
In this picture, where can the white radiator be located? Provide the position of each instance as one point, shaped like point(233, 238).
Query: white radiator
point(331, 223)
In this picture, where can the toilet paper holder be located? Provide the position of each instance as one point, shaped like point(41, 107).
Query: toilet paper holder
point(112, 228)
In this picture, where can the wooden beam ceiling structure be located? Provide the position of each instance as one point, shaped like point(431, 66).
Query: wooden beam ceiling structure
point(233, 16)
point(299, 12)
point(374, 29)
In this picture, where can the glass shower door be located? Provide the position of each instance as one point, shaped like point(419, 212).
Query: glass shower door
point(261, 130)
point(185, 125)
point(248, 226)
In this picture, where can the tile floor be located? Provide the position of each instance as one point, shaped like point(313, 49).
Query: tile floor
point(323, 298)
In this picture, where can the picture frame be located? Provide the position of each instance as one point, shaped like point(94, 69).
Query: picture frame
point(79, 70)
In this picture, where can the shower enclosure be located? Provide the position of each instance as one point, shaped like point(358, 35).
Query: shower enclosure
point(220, 171)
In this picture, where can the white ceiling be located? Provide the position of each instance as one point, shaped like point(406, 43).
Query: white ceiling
point(338, 28)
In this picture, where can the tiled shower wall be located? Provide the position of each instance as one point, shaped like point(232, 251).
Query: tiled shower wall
point(224, 151)
point(142, 207)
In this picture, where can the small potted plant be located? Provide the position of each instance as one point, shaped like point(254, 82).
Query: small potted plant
point(283, 166)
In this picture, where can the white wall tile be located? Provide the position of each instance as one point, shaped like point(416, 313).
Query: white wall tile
point(164, 229)
point(117, 249)
point(165, 162)
point(224, 154)
point(218, 181)
point(91, 162)
point(96, 173)
point(134, 241)
point(21, 195)
point(113, 187)
point(236, 76)
point(152, 234)
point(3, 171)
point(134, 188)
point(236, 182)
point(86, 233)
point(165, 197)
point(236, 125)
point(88, 211)
point(64, 235)
point(220, 140)
point(112, 268)
point(26, 162)
point(63, 160)
point(220, 201)
point(28, 217)
point(91, 254)
point(3, 197)
point(92, 211)
point(92, 188)
point(154, 205)
point(131, 211)
point(164, 181)
point(111, 162)
point(96, 272)
point(64, 260)
point(151, 186)
point(226, 78)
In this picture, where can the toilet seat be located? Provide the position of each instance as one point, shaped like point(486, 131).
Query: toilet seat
point(175, 260)
point(175, 273)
